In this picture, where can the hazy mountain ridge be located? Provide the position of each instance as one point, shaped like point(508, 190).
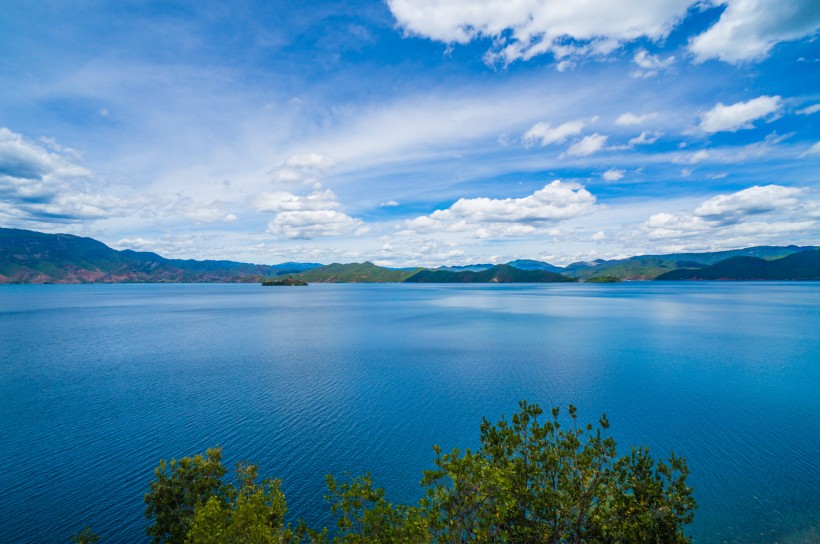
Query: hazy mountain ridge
point(365, 272)
point(35, 257)
point(800, 266)
point(649, 267)
point(502, 273)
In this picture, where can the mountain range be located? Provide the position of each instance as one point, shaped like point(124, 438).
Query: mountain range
point(35, 257)
point(803, 265)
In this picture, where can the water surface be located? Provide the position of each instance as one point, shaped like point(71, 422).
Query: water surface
point(98, 382)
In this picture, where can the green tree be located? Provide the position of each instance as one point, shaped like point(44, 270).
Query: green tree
point(364, 515)
point(86, 536)
point(179, 488)
point(254, 513)
point(554, 483)
point(534, 479)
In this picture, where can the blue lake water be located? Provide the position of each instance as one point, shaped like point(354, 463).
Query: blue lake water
point(98, 382)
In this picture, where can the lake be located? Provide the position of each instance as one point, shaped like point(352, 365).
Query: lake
point(98, 382)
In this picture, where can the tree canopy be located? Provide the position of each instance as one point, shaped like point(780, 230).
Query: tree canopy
point(535, 478)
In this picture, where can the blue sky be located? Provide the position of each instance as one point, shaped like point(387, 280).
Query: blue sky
point(412, 131)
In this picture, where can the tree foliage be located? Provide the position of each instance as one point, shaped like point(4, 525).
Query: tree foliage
point(251, 513)
point(534, 479)
point(179, 489)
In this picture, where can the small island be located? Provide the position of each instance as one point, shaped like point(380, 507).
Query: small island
point(282, 281)
point(603, 279)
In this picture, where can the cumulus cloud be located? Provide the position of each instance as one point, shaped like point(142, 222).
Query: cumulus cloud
point(526, 28)
point(739, 116)
point(544, 134)
point(751, 216)
point(613, 174)
point(751, 201)
point(307, 224)
point(748, 29)
point(508, 217)
point(587, 145)
point(307, 216)
point(41, 183)
point(520, 30)
point(628, 118)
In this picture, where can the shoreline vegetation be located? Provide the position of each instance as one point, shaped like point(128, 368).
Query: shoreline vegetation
point(535, 478)
point(289, 282)
point(35, 257)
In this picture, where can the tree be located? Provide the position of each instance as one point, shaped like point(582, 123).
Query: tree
point(86, 536)
point(179, 488)
point(254, 513)
point(534, 479)
point(546, 483)
point(364, 515)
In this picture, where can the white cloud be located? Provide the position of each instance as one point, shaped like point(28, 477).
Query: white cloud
point(210, 214)
point(523, 29)
point(813, 150)
point(751, 201)
point(613, 174)
point(748, 29)
point(319, 161)
point(419, 252)
point(627, 119)
point(289, 175)
point(587, 145)
point(41, 183)
point(307, 224)
point(757, 215)
point(498, 218)
point(739, 116)
point(526, 28)
point(691, 158)
point(545, 134)
point(309, 216)
point(651, 64)
point(388, 204)
point(598, 236)
point(645, 138)
point(302, 168)
point(809, 110)
point(282, 201)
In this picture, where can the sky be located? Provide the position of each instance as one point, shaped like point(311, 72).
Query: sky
point(412, 132)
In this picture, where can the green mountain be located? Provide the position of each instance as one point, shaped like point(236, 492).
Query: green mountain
point(36, 257)
point(804, 265)
point(366, 272)
point(502, 273)
point(647, 267)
